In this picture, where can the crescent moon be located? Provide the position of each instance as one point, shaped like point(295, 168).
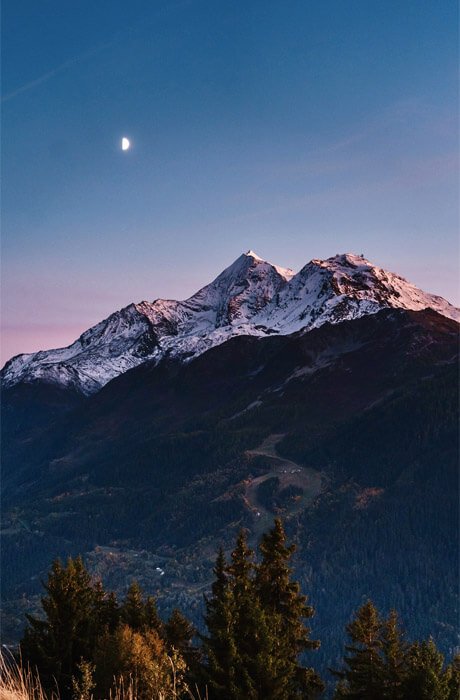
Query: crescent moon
point(125, 144)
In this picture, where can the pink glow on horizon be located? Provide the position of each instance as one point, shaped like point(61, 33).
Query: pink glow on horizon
point(21, 339)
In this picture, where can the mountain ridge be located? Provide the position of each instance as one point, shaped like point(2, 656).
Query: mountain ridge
point(250, 297)
point(165, 463)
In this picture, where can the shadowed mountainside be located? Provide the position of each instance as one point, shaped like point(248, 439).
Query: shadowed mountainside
point(153, 472)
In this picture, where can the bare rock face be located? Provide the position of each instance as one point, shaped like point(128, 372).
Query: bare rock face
point(250, 297)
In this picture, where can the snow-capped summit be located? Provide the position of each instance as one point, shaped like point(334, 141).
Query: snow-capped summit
point(250, 297)
point(344, 287)
point(241, 290)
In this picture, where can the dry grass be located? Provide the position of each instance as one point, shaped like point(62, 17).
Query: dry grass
point(18, 682)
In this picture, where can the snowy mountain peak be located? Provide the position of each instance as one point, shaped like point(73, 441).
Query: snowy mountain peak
point(250, 261)
point(251, 254)
point(345, 260)
point(237, 294)
point(250, 297)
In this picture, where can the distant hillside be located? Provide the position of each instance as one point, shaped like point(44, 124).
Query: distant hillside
point(348, 431)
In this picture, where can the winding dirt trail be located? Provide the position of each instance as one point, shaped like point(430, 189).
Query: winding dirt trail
point(288, 473)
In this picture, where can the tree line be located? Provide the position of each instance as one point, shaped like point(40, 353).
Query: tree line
point(256, 644)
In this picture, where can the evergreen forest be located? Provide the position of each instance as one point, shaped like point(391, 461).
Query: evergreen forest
point(255, 643)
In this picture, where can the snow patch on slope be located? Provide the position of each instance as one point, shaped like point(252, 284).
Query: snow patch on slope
point(250, 297)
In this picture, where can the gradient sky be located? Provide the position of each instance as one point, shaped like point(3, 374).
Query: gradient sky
point(299, 129)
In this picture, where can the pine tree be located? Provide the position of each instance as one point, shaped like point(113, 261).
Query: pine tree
point(99, 597)
point(453, 678)
point(426, 678)
point(384, 667)
point(286, 609)
point(179, 632)
point(106, 610)
point(254, 638)
point(57, 644)
point(394, 651)
point(219, 645)
point(259, 671)
point(133, 608)
point(152, 620)
point(111, 613)
point(365, 673)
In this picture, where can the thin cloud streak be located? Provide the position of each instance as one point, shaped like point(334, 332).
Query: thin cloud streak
point(46, 76)
point(118, 36)
point(402, 112)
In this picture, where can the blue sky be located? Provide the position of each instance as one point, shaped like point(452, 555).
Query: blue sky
point(298, 129)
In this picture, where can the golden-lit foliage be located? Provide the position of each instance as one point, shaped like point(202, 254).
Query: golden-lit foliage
point(126, 658)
